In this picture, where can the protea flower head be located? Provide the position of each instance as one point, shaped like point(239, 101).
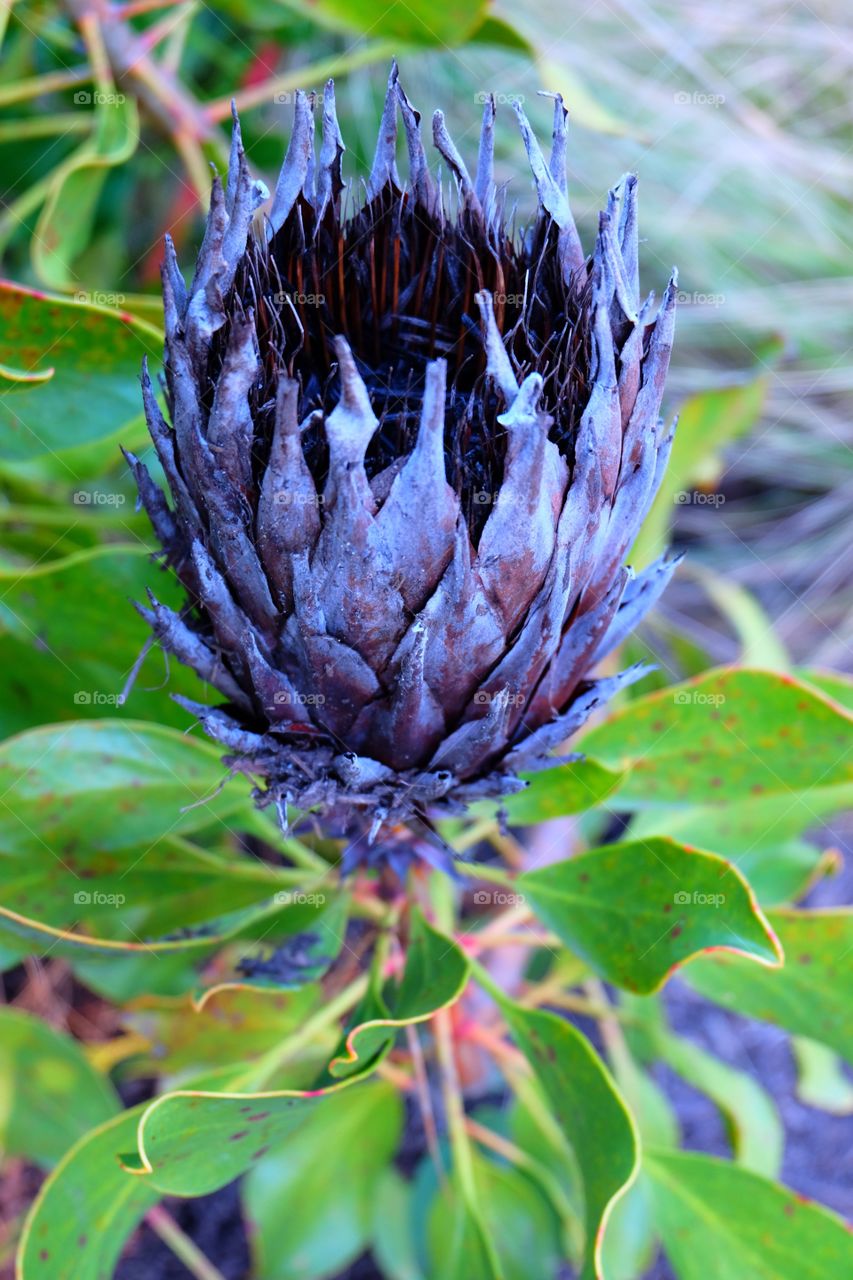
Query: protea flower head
point(409, 451)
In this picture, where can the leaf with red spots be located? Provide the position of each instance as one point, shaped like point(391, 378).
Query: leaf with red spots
point(93, 397)
point(810, 995)
point(109, 784)
point(87, 1208)
point(719, 1221)
point(723, 737)
point(637, 910)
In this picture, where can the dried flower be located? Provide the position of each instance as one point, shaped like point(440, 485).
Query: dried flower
point(409, 453)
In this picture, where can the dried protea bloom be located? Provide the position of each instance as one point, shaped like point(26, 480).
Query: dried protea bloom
point(409, 452)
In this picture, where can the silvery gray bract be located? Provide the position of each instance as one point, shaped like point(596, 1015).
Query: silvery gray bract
point(409, 451)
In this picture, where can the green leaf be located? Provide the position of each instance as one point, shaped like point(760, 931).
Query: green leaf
point(721, 1222)
point(589, 1109)
point(809, 995)
point(94, 394)
point(516, 1217)
point(637, 910)
point(64, 228)
point(552, 793)
point(55, 617)
point(87, 1208)
point(835, 684)
point(106, 785)
point(415, 22)
point(821, 1081)
point(760, 836)
point(459, 1244)
point(299, 1230)
point(194, 1141)
point(435, 976)
point(392, 1242)
point(232, 1025)
point(49, 1093)
point(723, 737)
point(706, 423)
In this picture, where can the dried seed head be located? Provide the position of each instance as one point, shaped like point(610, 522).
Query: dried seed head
point(409, 452)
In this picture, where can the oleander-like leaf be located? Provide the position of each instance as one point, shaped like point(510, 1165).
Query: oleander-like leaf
point(64, 227)
point(108, 784)
point(724, 737)
point(310, 1202)
point(50, 1095)
point(435, 976)
point(54, 664)
point(518, 1222)
point(722, 1222)
point(589, 1109)
point(635, 911)
point(90, 346)
point(761, 836)
point(810, 995)
point(87, 1208)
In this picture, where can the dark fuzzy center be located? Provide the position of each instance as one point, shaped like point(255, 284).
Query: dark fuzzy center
point(400, 285)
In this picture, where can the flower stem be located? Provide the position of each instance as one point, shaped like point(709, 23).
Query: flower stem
point(164, 1225)
point(454, 1106)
